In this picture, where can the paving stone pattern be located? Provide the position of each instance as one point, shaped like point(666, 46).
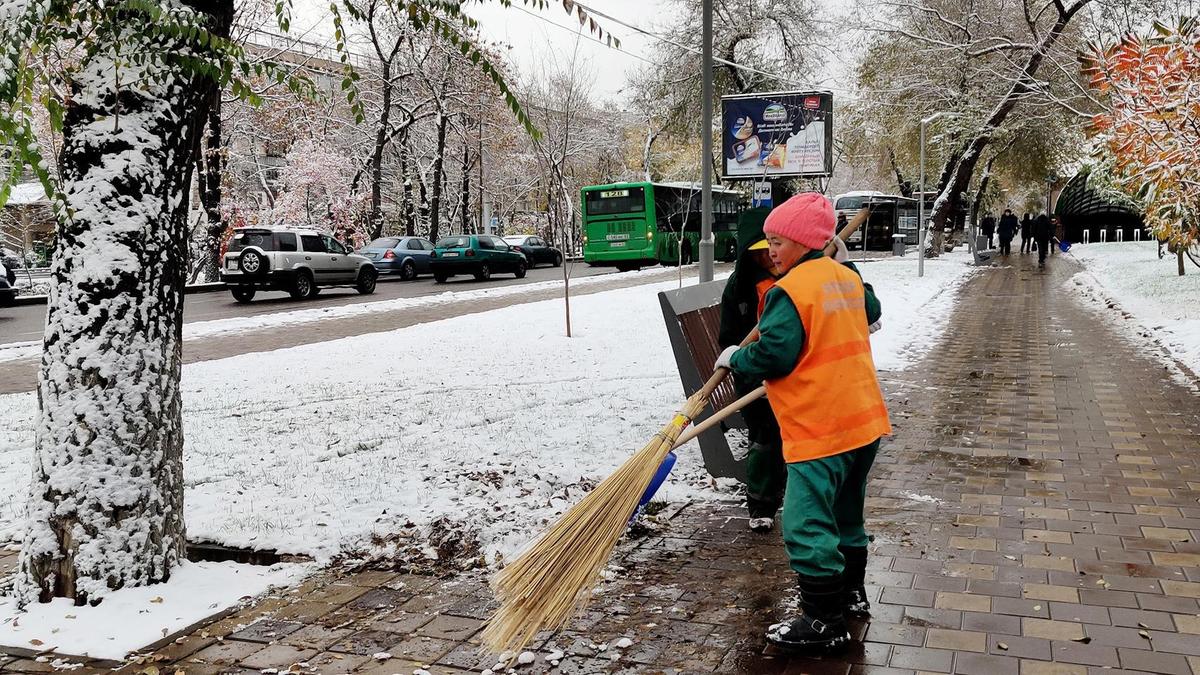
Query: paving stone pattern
point(1034, 514)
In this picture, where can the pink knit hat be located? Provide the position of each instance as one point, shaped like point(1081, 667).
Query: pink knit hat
point(806, 219)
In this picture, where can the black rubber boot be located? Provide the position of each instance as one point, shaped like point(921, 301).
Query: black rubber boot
point(821, 627)
point(855, 603)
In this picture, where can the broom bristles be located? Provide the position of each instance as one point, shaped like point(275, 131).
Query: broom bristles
point(552, 579)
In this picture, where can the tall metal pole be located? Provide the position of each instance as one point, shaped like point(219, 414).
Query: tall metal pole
point(921, 208)
point(480, 155)
point(706, 237)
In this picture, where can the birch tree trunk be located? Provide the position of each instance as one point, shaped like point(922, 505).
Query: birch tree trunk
point(106, 501)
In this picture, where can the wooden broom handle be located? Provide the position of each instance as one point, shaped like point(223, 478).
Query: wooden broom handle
point(850, 228)
point(720, 416)
point(720, 374)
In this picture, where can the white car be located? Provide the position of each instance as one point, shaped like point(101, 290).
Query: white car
point(299, 261)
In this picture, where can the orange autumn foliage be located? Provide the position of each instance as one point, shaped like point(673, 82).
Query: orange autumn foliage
point(1151, 129)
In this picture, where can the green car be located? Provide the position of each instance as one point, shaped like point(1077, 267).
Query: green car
point(478, 254)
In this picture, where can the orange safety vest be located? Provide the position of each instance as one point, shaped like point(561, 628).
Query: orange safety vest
point(831, 402)
point(762, 287)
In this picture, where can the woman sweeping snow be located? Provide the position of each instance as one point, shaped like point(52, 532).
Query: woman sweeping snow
point(815, 355)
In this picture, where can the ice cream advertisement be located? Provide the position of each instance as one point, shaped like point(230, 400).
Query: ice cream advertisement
point(777, 135)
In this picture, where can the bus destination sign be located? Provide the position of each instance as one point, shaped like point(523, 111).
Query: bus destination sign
point(613, 194)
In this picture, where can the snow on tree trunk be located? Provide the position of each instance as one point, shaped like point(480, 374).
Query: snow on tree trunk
point(465, 190)
point(407, 208)
point(106, 500)
point(211, 161)
point(435, 199)
point(960, 178)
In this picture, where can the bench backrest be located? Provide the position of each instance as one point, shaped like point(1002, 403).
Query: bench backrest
point(693, 319)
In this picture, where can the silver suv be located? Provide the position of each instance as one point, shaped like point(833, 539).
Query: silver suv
point(294, 260)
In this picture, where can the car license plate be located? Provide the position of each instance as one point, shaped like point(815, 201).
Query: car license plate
point(617, 244)
point(450, 254)
point(618, 237)
point(231, 264)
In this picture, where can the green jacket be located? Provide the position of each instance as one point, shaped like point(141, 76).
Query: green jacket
point(739, 316)
point(739, 301)
point(781, 342)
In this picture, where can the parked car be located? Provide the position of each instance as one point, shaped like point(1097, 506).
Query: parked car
point(536, 250)
point(298, 261)
point(406, 256)
point(477, 254)
point(8, 293)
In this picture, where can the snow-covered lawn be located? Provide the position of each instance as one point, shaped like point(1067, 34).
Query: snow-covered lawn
point(489, 419)
point(136, 617)
point(1131, 276)
point(915, 309)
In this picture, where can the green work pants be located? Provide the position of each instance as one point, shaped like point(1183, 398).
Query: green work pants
point(766, 478)
point(766, 472)
point(823, 509)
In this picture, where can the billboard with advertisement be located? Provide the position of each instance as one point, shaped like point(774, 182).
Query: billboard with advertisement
point(777, 135)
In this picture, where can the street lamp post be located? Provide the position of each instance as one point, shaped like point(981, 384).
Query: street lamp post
point(921, 227)
point(706, 236)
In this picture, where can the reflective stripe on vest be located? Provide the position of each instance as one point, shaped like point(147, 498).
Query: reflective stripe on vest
point(762, 287)
point(831, 402)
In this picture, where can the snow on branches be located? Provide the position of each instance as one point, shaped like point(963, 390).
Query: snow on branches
point(1152, 127)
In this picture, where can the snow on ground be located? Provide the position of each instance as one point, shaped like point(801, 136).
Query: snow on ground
point(130, 619)
point(915, 309)
point(204, 329)
point(495, 420)
point(1130, 277)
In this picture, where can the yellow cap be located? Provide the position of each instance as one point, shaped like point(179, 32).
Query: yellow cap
point(760, 245)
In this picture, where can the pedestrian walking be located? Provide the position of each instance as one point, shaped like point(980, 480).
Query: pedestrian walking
point(741, 306)
point(1008, 229)
point(1026, 233)
point(989, 228)
point(1057, 234)
point(814, 354)
point(1043, 231)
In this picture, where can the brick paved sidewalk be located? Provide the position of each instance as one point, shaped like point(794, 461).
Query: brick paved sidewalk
point(1035, 513)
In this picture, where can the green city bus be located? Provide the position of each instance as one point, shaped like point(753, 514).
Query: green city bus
point(632, 225)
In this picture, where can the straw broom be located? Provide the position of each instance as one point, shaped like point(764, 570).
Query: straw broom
point(553, 579)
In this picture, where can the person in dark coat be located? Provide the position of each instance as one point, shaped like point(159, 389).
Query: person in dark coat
point(1008, 230)
point(989, 228)
point(1027, 233)
point(1043, 231)
point(741, 305)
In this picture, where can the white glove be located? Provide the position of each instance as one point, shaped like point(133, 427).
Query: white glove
point(723, 359)
point(875, 326)
point(842, 254)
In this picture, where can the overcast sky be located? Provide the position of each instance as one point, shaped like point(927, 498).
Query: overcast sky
point(533, 34)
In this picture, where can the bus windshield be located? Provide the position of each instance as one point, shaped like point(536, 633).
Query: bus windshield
point(848, 203)
point(616, 201)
